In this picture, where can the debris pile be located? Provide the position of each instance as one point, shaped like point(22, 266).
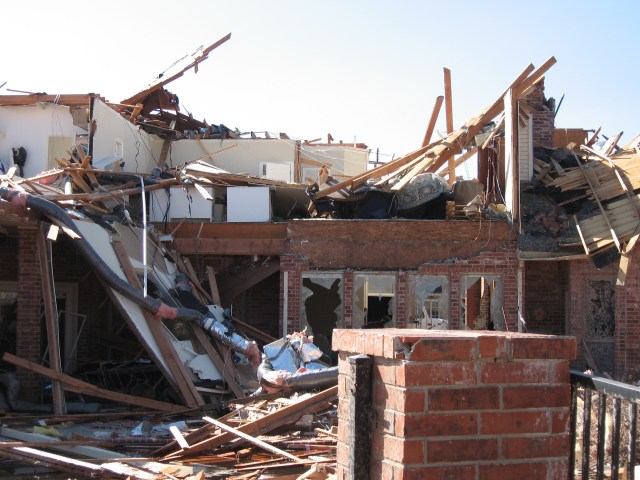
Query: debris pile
point(592, 188)
point(272, 435)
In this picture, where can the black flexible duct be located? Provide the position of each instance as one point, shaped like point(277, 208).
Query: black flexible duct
point(323, 378)
point(58, 215)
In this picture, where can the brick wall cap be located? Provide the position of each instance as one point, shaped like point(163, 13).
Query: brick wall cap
point(397, 343)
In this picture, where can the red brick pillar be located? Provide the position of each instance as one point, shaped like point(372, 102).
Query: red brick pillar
point(28, 312)
point(461, 404)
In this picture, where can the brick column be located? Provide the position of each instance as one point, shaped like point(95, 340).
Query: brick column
point(467, 405)
point(28, 312)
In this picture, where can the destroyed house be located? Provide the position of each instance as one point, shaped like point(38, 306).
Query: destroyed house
point(284, 235)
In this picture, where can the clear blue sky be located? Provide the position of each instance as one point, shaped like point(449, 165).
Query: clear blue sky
point(368, 70)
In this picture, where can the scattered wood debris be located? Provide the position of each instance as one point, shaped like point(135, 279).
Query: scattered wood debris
point(283, 437)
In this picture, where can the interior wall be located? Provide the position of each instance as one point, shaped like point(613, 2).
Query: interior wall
point(30, 127)
point(235, 155)
point(140, 154)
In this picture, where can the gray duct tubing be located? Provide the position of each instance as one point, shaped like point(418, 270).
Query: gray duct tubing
point(324, 378)
point(57, 214)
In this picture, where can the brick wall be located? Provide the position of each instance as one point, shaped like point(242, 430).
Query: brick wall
point(547, 287)
point(28, 315)
point(294, 265)
point(628, 323)
point(543, 116)
point(463, 405)
point(503, 264)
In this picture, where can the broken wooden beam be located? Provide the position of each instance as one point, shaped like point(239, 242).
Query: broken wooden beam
point(76, 385)
point(255, 441)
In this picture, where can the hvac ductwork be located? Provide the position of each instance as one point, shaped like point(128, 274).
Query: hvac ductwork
point(60, 217)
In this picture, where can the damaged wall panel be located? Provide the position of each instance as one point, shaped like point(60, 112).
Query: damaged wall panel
point(428, 301)
point(481, 302)
point(321, 298)
point(374, 300)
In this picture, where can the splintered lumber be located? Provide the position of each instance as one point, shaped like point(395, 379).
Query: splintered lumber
point(615, 175)
point(72, 465)
point(255, 441)
point(449, 119)
point(624, 219)
point(75, 385)
point(51, 318)
point(284, 416)
point(377, 172)
point(139, 97)
point(432, 121)
point(614, 236)
point(625, 259)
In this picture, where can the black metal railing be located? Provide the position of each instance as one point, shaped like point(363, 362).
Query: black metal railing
point(612, 451)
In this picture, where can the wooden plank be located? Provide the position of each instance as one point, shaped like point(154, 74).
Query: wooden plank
point(432, 121)
point(267, 423)
point(473, 126)
point(75, 385)
point(625, 260)
point(449, 119)
point(181, 377)
point(178, 436)
point(534, 78)
point(266, 446)
point(593, 138)
point(51, 318)
point(604, 213)
point(377, 172)
point(213, 285)
point(137, 98)
point(204, 246)
point(31, 99)
point(416, 170)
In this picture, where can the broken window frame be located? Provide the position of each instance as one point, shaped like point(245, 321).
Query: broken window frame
point(362, 290)
point(496, 300)
point(417, 286)
point(305, 293)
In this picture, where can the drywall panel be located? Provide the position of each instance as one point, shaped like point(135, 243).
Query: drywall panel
point(248, 204)
point(342, 159)
point(235, 155)
point(178, 203)
point(116, 139)
point(30, 127)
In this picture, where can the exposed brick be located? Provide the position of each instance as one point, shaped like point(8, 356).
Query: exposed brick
point(450, 472)
point(536, 447)
point(403, 451)
point(494, 423)
point(437, 425)
point(442, 349)
point(466, 450)
point(515, 471)
point(514, 372)
point(452, 399)
point(530, 347)
point(460, 373)
point(536, 397)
